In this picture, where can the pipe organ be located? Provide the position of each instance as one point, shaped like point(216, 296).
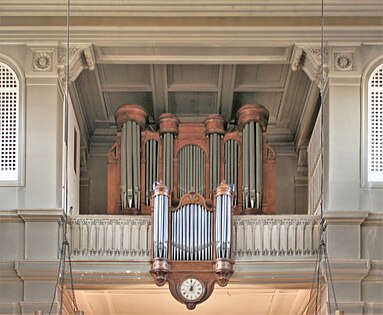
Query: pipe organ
point(192, 178)
point(191, 157)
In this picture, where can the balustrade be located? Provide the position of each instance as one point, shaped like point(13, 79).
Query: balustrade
point(255, 237)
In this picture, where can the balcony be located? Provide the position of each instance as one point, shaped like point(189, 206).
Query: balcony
point(128, 238)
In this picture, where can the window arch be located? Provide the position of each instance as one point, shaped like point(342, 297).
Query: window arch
point(10, 126)
point(373, 129)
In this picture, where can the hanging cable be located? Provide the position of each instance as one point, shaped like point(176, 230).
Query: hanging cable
point(65, 247)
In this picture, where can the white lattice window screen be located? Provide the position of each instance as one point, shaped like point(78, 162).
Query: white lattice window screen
point(9, 122)
point(375, 125)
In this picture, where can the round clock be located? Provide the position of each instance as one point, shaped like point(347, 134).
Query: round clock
point(191, 289)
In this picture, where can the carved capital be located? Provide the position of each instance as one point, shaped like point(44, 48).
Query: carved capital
point(80, 58)
point(309, 59)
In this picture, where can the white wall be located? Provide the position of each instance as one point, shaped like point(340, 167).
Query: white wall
point(73, 165)
point(43, 133)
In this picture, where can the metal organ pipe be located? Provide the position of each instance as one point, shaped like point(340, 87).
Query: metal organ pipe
point(252, 165)
point(252, 120)
point(130, 165)
point(259, 164)
point(191, 170)
point(224, 208)
point(231, 164)
point(151, 167)
point(215, 161)
point(161, 197)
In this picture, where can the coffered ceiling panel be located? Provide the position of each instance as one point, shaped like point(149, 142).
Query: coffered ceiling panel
point(271, 100)
point(193, 82)
point(193, 77)
point(115, 99)
point(250, 77)
point(192, 103)
point(120, 76)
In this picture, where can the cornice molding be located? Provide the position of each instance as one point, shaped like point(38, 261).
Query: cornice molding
point(374, 218)
point(8, 272)
point(32, 215)
point(345, 217)
point(80, 58)
point(36, 270)
point(192, 35)
point(192, 8)
point(309, 59)
point(41, 215)
point(376, 271)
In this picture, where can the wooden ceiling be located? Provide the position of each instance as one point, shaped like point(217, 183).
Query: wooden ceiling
point(193, 82)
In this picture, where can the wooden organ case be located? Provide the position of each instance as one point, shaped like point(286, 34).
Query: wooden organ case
point(191, 157)
point(192, 178)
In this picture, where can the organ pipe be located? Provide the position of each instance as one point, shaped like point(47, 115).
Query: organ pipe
point(190, 157)
point(151, 167)
point(223, 224)
point(252, 120)
point(161, 196)
point(130, 120)
point(190, 173)
point(130, 165)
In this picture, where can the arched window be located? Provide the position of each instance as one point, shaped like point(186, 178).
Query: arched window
point(375, 126)
point(9, 125)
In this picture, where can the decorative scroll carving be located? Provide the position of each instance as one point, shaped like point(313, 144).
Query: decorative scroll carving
point(309, 59)
point(193, 198)
point(80, 58)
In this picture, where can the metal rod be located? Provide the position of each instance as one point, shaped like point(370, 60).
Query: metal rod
point(155, 227)
point(138, 155)
point(229, 225)
point(123, 166)
point(252, 161)
point(245, 165)
point(218, 225)
point(258, 160)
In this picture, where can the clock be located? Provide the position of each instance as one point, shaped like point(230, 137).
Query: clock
point(191, 289)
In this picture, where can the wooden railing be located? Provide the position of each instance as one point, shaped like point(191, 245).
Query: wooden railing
point(103, 237)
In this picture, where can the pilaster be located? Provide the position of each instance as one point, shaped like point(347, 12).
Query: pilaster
point(341, 120)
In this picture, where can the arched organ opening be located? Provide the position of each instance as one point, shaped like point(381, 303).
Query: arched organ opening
point(191, 157)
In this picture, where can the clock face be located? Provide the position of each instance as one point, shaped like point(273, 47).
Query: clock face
point(191, 289)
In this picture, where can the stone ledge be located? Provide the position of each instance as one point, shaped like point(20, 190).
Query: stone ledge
point(37, 270)
point(10, 308)
point(8, 272)
point(32, 215)
point(345, 217)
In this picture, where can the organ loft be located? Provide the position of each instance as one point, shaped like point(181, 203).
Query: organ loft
point(192, 177)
